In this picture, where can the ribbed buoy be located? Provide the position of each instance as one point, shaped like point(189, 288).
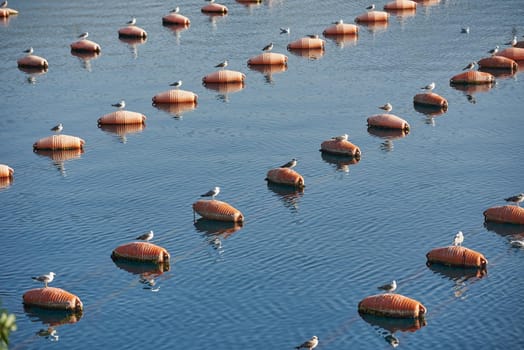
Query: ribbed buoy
point(217, 210)
point(268, 58)
point(514, 53)
point(52, 298)
point(306, 43)
point(285, 176)
point(132, 32)
point(85, 46)
point(457, 256)
point(4, 13)
point(499, 62)
point(473, 77)
point(6, 171)
point(175, 19)
point(224, 76)
point(431, 99)
point(33, 61)
point(342, 147)
point(509, 214)
point(341, 29)
point(372, 17)
point(175, 96)
point(392, 305)
point(388, 121)
point(141, 251)
point(55, 142)
point(214, 8)
point(400, 5)
point(122, 117)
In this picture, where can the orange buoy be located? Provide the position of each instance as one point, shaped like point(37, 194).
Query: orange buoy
point(306, 43)
point(122, 117)
point(392, 305)
point(85, 46)
point(268, 58)
point(499, 62)
point(175, 19)
point(473, 77)
point(55, 142)
point(175, 96)
point(52, 298)
point(400, 5)
point(431, 99)
point(341, 29)
point(285, 176)
point(141, 251)
point(388, 121)
point(456, 256)
point(515, 53)
point(33, 61)
point(214, 8)
point(6, 171)
point(217, 210)
point(224, 76)
point(509, 214)
point(4, 13)
point(372, 17)
point(132, 32)
point(342, 147)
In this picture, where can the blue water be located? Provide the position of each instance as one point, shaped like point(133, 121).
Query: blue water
point(302, 261)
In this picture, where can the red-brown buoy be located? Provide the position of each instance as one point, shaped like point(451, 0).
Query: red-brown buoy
point(268, 58)
point(33, 61)
point(431, 99)
point(392, 305)
point(340, 147)
point(175, 96)
point(400, 5)
point(306, 43)
point(175, 19)
point(52, 298)
point(56, 142)
point(515, 53)
point(141, 251)
point(122, 117)
point(215, 8)
point(132, 32)
point(285, 176)
point(6, 171)
point(388, 121)
point(473, 77)
point(224, 76)
point(217, 210)
point(372, 17)
point(509, 214)
point(498, 62)
point(341, 29)
point(85, 46)
point(457, 256)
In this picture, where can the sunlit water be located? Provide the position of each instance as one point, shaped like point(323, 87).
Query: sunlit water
point(302, 260)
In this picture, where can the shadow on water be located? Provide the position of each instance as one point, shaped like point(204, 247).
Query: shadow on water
point(138, 268)
point(212, 227)
point(59, 157)
point(176, 110)
point(289, 195)
point(340, 162)
point(391, 325)
point(52, 319)
point(122, 130)
point(388, 135)
point(504, 229)
point(312, 54)
point(268, 70)
point(342, 40)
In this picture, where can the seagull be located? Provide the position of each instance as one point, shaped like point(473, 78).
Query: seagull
point(45, 278)
point(387, 107)
point(313, 36)
point(83, 36)
point(459, 238)
point(57, 128)
point(222, 64)
point(470, 65)
point(4, 4)
point(146, 236)
point(268, 47)
point(429, 87)
point(291, 164)
point(340, 21)
point(132, 22)
point(309, 344)
point(120, 104)
point(518, 243)
point(389, 287)
point(515, 199)
point(465, 30)
point(175, 10)
point(494, 51)
point(211, 1)
point(370, 7)
point(29, 51)
point(211, 193)
point(513, 41)
point(285, 30)
point(176, 84)
point(340, 138)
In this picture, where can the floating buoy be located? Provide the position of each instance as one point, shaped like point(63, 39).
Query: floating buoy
point(224, 76)
point(122, 117)
point(52, 298)
point(132, 32)
point(285, 176)
point(33, 61)
point(341, 29)
point(472, 77)
point(217, 210)
point(85, 46)
point(342, 147)
point(141, 251)
point(4, 13)
point(392, 305)
point(388, 121)
point(268, 58)
point(214, 8)
point(372, 17)
point(400, 5)
point(306, 43)
point(55, 142)
point(499, 62)
point(175, 96)
point(457, 256)
point(514, 53)
point(510, 214)
point(431, 99)
point(175, 19)
point(6, 171)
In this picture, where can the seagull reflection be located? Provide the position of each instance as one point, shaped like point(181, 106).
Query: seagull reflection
point(387, 146)
point(49, 333)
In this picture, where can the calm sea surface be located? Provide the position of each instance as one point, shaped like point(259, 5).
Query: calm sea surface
point(302, 261)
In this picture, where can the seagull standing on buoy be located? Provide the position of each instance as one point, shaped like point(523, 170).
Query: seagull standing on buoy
point(175, 10)
point(470, 66)
point(370, 7)
point(176, 84)
point(4, 4)
point(120, 104)
point(515, 199)
point(83, 36)
point(146, 236)
point(494, 51)
point(222, 64)
point(313, 36)
point(291, 164)
point(29, 51)
point(429, 87)
point(268, 47)
point(45, 278)
point(343, 137)
point(309, 344)
point(57, 128)
point(211, 193)
point(340, 21)
point(387, 107)
point(513, 41)
point(132, 22)
point(459, 238)
point(389, 287)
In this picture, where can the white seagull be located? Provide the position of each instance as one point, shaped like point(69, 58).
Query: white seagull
point(176, 84)
point(340, 21)
point(470, 66)
point(309, 344)
point(4, 4)
point(429, 87)
point(211, 193)
point(370, 7)
point(465, 30)
point(83, 36)
point(285, 30)
point(120, 104)
point(45, 278)
point(389, 287)
point(175, 10)
point(132, 22)
point(515, 199)
point(518, 243)
point(459, 238)
point(146, 236)
point(343, 137)
point(57, 128)
point(268, 47)
point(513, 41)
point(387, 107)
point(312, 36)
point(222, 64)
point(291, 164)
point(494, 51)
point(29, 51)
